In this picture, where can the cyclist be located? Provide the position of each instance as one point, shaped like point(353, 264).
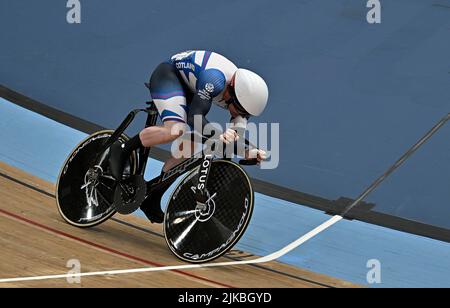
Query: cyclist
point(184, 87)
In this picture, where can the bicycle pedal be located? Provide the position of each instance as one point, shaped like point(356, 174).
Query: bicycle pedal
point(129, 194)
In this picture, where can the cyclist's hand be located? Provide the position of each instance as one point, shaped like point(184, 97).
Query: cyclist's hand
point(256, 153)
point(229, 136)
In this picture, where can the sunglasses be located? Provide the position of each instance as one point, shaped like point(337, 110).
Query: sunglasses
point(233, 100)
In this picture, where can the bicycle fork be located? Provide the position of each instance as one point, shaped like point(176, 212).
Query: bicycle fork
point(201, 193)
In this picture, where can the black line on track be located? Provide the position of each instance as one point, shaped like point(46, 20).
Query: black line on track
point(27, 185)
point(37, 189)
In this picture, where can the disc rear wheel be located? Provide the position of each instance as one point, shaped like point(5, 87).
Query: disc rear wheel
point(85, 188)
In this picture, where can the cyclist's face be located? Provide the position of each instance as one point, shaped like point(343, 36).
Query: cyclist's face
point(233, 105)
point(234, 113)
point(227, 93)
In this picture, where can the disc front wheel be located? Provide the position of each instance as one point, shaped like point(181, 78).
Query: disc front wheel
point(200, 233)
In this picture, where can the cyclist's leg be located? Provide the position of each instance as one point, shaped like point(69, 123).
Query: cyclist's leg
point(169, 96)
point(152, 205)
point(185, 151)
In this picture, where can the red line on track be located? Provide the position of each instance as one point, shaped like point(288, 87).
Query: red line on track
point(111, 250)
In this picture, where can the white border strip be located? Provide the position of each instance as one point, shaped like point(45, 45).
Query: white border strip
point(268, 258)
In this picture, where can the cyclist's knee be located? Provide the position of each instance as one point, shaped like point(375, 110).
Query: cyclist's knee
point(174, 129)
point(155, 135)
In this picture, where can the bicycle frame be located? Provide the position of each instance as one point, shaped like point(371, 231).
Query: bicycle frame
point(129, 192)
point(143, 154)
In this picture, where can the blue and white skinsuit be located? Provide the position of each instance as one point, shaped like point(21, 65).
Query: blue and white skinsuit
point(189, 83)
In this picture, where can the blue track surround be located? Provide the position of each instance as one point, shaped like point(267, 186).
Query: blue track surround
point(39, 146)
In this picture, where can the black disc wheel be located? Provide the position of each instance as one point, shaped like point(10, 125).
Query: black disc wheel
point(85, 188)
point(199, 233)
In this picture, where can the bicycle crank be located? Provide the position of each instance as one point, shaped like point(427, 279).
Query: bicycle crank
point(129, 194)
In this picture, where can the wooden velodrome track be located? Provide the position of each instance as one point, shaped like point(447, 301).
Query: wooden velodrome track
point(35, 241)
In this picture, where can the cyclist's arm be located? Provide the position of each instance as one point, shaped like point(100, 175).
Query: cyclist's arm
point(199, 107)
point(239, 124)
point(210, 83)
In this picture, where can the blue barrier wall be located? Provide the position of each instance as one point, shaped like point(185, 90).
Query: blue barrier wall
point(350, 96)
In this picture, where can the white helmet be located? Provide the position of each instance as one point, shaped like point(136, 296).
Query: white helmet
point(251, 91)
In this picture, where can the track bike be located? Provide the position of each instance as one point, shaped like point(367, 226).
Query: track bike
point(207, 213)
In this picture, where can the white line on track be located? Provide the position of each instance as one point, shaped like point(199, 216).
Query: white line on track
point(271, 257)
